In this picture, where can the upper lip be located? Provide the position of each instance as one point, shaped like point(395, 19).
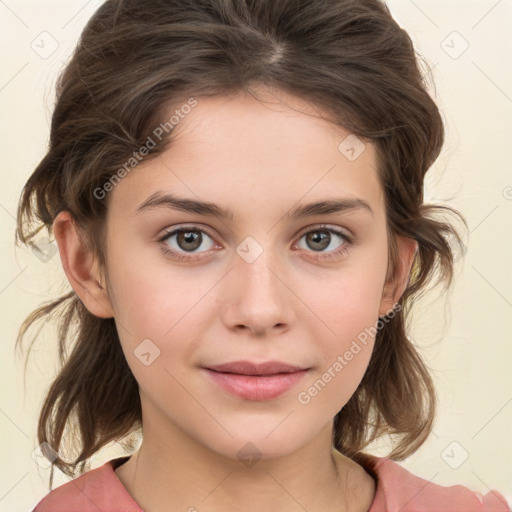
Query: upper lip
point(250, 368)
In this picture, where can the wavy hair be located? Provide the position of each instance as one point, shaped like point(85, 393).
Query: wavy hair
point(135, 59)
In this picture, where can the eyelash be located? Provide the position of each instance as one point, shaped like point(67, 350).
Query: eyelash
point(347, 242)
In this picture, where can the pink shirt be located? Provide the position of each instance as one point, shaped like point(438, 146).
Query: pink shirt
point(398, 490)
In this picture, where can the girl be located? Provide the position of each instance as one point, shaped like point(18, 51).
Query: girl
point(236, 191)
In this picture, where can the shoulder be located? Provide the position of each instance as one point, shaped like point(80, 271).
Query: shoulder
point(91, 492)
point(399, 489)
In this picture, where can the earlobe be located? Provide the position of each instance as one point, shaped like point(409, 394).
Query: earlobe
point(80, 266)
point(394, 289)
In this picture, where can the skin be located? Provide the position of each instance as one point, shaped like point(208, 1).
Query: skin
point(260, 160)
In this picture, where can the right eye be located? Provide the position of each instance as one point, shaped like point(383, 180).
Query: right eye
point(184, 242)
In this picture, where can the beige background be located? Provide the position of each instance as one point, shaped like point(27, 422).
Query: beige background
point(465, 339)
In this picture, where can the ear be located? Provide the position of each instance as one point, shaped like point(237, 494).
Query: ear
point(395, 286)
point(80, 266)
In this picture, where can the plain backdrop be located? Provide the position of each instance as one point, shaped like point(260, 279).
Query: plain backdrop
point(465, 336)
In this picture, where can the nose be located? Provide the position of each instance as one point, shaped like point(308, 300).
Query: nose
point(257, 297)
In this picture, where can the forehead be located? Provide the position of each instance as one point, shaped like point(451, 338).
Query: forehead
point(244, 153)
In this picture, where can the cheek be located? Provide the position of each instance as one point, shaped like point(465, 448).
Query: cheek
point(344, 353)
point(347, 301)
point(346, 306)
point(151, 295)
point(158, 315)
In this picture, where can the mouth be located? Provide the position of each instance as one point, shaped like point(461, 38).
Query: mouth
point(256, 369)
point(257, 382)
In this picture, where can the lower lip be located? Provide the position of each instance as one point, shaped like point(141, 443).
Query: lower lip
point(253, 387)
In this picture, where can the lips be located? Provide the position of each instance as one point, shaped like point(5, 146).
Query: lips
point(255, 381)
point(251, 368)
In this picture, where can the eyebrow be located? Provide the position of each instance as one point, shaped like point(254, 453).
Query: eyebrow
point(329, 206)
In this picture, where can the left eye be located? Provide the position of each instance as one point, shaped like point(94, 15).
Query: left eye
point(320, 239)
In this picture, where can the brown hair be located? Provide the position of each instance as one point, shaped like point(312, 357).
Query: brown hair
point(137, 57)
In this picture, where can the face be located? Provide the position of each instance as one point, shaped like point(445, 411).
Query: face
point(259, 284)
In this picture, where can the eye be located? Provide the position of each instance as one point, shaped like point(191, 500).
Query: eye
point(324, 238)
point(187, 239)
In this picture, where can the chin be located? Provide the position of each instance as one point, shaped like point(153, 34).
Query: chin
point(249, 449)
